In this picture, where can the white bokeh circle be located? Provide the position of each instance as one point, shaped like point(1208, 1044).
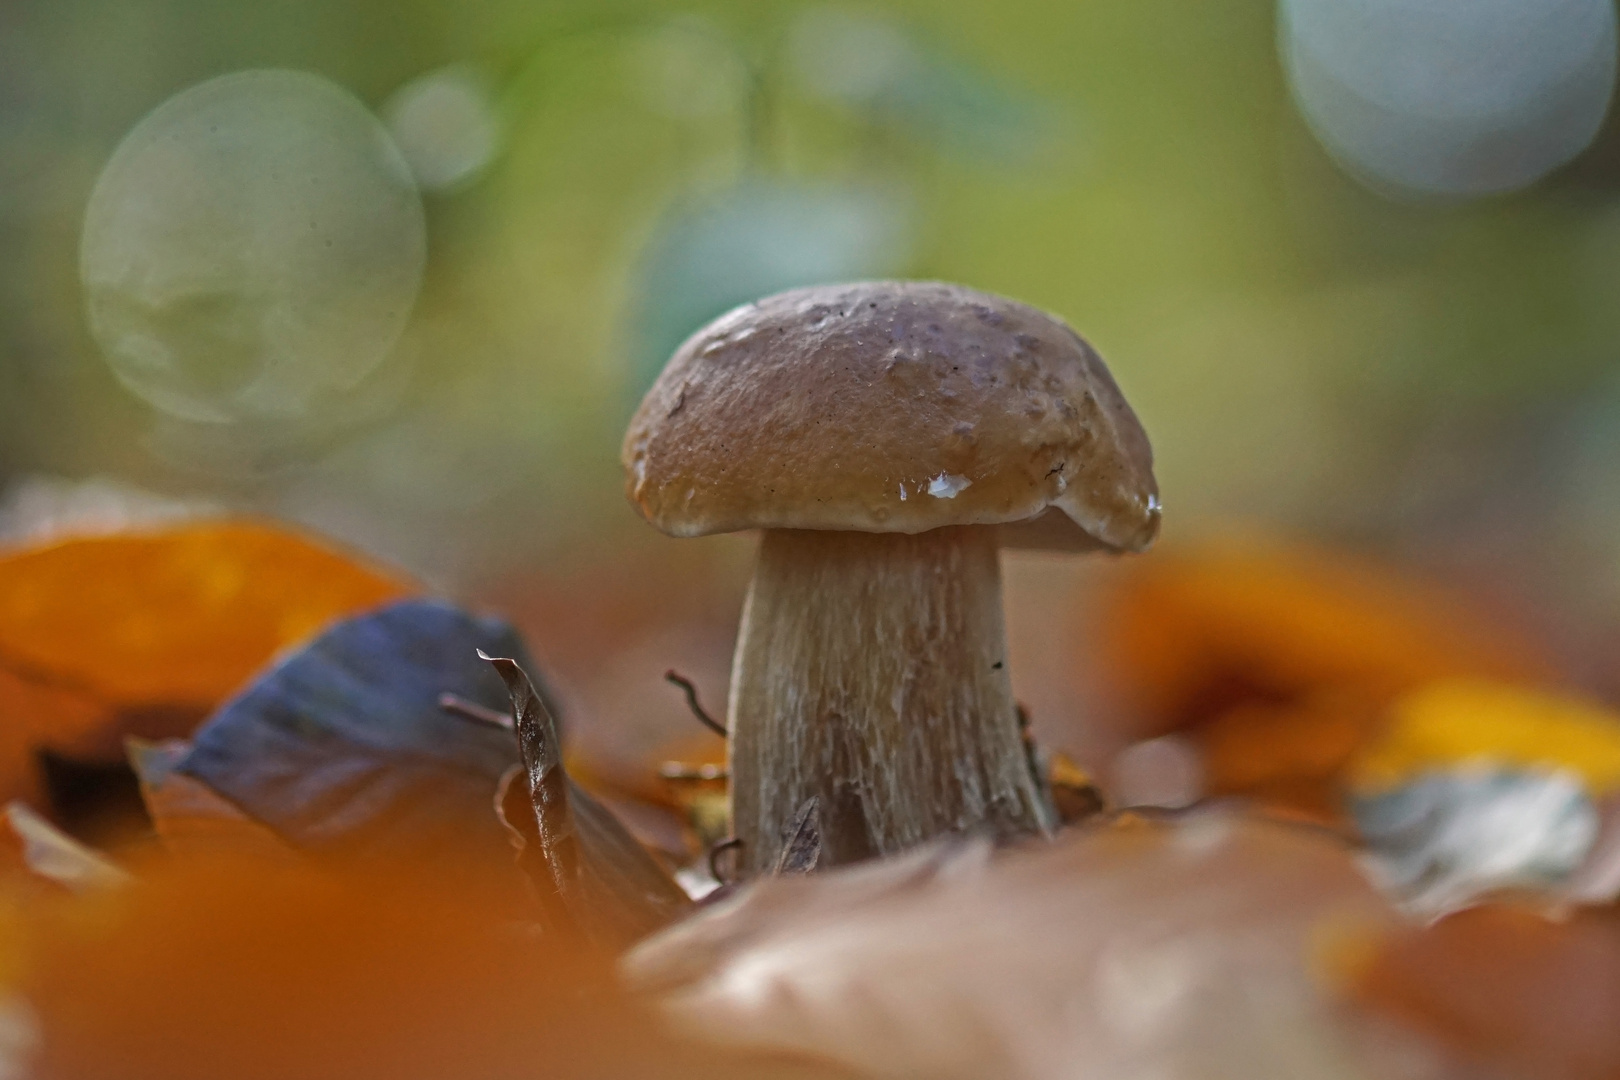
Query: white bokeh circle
point(253, 249)
point(445, 124)
point(1450, 97)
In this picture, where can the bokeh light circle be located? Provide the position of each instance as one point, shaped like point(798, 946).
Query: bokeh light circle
point(1450, 97)
point(253, 249)
point(756, 238)
point(445, 125)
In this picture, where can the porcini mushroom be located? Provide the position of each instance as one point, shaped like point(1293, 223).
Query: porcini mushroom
point(887, 437)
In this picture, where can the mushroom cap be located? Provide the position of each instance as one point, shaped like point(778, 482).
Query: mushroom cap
point(892, 406)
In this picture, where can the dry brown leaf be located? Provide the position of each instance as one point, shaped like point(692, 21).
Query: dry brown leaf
point(586, 868)
point(1532, 997)
point(1111, 954)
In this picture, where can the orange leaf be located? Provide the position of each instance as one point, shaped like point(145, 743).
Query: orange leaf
point(1293, 755)
point(145, 633)
point(1508, 986)
point(213, 968)
point(1193, 632)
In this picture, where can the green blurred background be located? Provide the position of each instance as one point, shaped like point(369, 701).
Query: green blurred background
point(1318, 343)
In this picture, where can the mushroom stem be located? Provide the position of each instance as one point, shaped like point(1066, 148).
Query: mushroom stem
point(871, 671)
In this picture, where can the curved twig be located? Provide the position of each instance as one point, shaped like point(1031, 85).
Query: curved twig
point(728, 844)
point(692, 703)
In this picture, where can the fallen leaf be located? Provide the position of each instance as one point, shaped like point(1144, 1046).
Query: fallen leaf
point(145, 633)
point(700, 792)
point(1291, 755)
point(1597, 880)
point(56, 856)
point(1505, 986)
point(1452, 723)
point(191, 819)
point(1447, 839)
point(1193, 632)
point(587, 869)
point(214, 968)
point(1471, 787)
point(1119, 952)
point(343, 748)
point(1277, 661)
point(1075, 795)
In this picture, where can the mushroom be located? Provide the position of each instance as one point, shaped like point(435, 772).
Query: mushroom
point(888, 437)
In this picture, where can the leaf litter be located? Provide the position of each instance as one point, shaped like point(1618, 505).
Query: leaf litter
point(1223, 940)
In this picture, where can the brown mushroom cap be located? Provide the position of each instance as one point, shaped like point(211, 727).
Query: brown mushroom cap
point(892, 406)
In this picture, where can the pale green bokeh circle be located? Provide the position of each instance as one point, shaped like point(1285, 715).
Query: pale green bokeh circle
point(253, 249)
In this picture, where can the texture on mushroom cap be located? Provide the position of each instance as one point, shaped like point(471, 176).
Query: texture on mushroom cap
point(892, 406)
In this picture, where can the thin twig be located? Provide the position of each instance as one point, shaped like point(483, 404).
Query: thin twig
point(682, 772)
point(692, 703)
point(471, 710)
point(728, 844)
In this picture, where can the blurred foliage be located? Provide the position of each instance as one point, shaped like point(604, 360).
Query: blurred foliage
point(1292, 340)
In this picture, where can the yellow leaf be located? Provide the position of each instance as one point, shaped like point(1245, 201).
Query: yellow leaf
point(1459, 723)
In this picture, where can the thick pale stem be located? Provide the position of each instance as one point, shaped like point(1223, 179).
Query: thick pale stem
point(871, 671)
